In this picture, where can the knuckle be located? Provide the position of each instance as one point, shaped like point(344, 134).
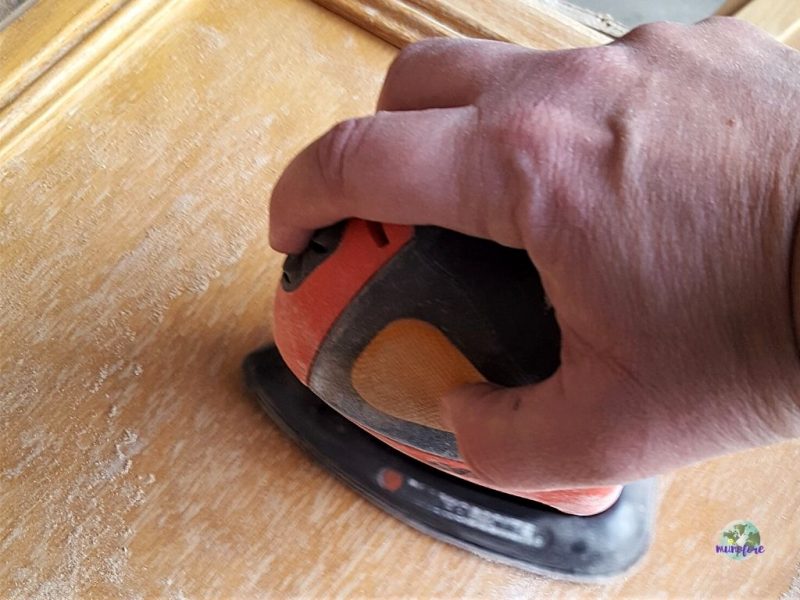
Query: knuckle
point(405, 58)
point(655, 33)
point(530, 129)
point(600, 66)
point(432, 58)
point(335, 150)
point(517, 141)
point(527, 144)
point(411, 55)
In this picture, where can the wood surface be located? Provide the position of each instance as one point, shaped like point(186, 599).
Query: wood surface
point(46, 34)
point(400, 22)
point(730, 7)
point(779, 18)
point(42, 81)
point(602, 22)
point(134, 277)
point(10, 9)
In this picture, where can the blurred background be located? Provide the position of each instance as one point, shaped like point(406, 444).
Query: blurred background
point(9, 8)
point(635, 12)
point(628, 12)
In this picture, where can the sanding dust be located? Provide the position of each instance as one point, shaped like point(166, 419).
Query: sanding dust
point(173, 593)
point(125, 236)
point(102, 270)
point(32, 444)
point(793, 593)
point(85, 523)
point(121, 462)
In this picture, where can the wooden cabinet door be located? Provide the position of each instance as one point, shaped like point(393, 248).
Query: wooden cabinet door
point(136, 163)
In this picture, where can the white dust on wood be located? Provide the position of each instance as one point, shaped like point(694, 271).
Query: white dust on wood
point(80, 316)
point(793, 593)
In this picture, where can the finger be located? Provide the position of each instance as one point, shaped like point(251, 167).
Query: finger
point(594, 427)
point(443, 73)
point(537, 438)
point(403, 168)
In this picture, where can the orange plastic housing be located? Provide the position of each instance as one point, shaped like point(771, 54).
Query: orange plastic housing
point(305, 315)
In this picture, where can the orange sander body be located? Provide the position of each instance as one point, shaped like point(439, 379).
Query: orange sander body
point(373, 324)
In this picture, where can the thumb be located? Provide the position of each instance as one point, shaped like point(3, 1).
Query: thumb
point(534, 437)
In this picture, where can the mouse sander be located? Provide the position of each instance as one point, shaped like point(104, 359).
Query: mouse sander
point(374, 323)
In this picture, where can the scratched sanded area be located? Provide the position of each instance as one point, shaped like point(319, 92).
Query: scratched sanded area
point(134, 277)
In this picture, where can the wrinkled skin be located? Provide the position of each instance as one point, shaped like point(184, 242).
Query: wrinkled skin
point(655, 184)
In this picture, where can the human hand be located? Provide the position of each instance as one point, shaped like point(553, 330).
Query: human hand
point(654, 183)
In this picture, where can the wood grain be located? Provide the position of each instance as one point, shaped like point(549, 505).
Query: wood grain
point(44, 87)
point(401, 22)
point(730, 7)
point(11, 9)
point(134, 277)
point(41, 36)
point(602, 22)
point(793, 39)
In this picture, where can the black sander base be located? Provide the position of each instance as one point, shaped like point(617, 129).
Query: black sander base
point(497, 526)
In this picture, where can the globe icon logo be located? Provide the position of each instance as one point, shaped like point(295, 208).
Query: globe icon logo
point(739, 540)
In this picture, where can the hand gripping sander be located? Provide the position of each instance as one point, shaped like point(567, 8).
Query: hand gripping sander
point(373, 324)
